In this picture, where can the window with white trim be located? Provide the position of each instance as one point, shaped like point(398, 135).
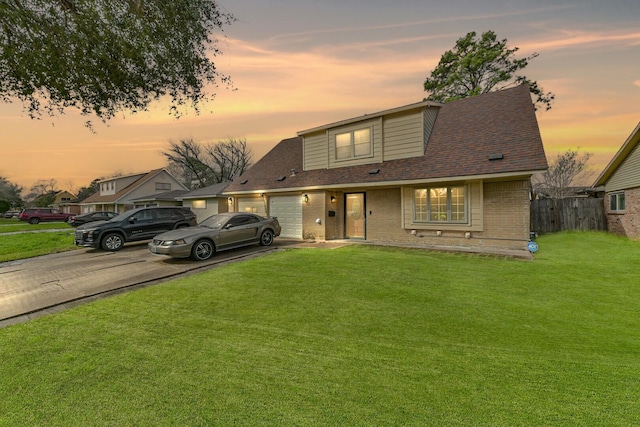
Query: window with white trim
point(353, 144)
point(616, 202)
point(441, 204)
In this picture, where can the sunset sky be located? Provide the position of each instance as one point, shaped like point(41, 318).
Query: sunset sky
point(298, 64)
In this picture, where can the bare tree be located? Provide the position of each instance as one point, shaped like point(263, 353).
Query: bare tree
point(203, 165)
point(43, 192)
point(565, 172)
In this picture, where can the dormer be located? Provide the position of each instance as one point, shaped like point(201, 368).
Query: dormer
point(111, 186)
point(392, 134)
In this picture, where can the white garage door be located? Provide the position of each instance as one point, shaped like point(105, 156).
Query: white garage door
point(254, 205)
point(288, 209)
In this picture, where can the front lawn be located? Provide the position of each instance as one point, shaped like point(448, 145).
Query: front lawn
point(27, 245)
point(353, 336)
point(11, 225)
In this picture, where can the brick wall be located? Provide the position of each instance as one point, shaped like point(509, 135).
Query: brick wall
point(626, 223)
point(505, 219)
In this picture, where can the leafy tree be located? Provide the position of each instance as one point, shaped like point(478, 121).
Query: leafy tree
point(4, 206)
point(87, 191)
point(10, 192)
point(203, 165)
point(105, 56)
point(480, 65)
point(565, 171)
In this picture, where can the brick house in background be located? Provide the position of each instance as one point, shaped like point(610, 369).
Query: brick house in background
point(454, 176)
point(621, 182)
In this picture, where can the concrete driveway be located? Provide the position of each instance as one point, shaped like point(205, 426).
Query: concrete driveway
point(34, 287)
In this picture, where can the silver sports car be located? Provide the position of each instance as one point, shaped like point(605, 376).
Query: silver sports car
point(216, 233)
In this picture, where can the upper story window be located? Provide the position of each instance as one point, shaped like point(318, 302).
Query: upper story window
point(616, 202)
point(163, 186)
point(441, 204)
point(352, 144)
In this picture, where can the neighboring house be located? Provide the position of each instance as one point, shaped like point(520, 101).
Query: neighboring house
point(453, 175)
point(119, 194)
point(621, 181)
point(66, 202)
point(168, 198)
point(207, 201)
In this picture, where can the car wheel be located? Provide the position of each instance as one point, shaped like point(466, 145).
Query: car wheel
point(112, 242)
point(203, 250)
point(266, 239)
point(34, 220)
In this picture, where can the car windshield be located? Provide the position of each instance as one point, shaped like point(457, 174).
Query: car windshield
point(215, 221)
point(123, 216)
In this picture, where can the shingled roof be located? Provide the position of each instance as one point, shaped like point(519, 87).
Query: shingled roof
point(491, 134)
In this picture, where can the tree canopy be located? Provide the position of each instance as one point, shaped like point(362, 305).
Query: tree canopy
point(103, 56)
point(480, 65)
point(202, 165)
point(10, 192)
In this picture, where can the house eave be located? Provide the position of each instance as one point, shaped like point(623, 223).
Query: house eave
point(386, 184)
point(619, 157)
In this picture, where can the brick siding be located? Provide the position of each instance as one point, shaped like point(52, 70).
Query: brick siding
point(505, 225)
point(626, 223)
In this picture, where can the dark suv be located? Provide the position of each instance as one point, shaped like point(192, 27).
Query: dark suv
point(136, 224)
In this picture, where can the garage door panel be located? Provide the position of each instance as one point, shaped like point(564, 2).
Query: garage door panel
point(288, 210)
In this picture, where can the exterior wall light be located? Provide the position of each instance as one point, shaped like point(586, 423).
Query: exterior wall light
point(305, 198)
point(333, 199)
point(230, 200)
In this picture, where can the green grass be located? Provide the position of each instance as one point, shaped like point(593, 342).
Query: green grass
point(12, 225)
point(27, 245)
point(30, 242)
point(352, 336)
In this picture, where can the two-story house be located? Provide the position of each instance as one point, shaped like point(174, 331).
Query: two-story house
point(121, 193)
point(453, 175)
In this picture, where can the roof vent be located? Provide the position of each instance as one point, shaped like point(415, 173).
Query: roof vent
point(282, 178)
point(374, 171)
point(243, 182)
point(497, 156)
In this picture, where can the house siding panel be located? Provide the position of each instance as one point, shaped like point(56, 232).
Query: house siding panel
point(628, 173)
point(403, 136)
point(316, 151)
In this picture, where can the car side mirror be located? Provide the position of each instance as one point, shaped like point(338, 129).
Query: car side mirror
point(132, 220)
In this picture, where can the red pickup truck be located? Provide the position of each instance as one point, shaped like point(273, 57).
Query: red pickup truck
point(36, 215)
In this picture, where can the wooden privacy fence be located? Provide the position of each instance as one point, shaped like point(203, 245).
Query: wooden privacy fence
point(552, 215)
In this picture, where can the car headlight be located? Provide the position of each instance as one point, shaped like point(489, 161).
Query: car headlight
point(177, 242)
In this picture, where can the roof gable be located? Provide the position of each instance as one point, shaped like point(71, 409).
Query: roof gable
point(143, 178)
point(619, 158)
point(490, 134)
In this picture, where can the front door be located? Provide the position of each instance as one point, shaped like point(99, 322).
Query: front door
point(355, 216)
